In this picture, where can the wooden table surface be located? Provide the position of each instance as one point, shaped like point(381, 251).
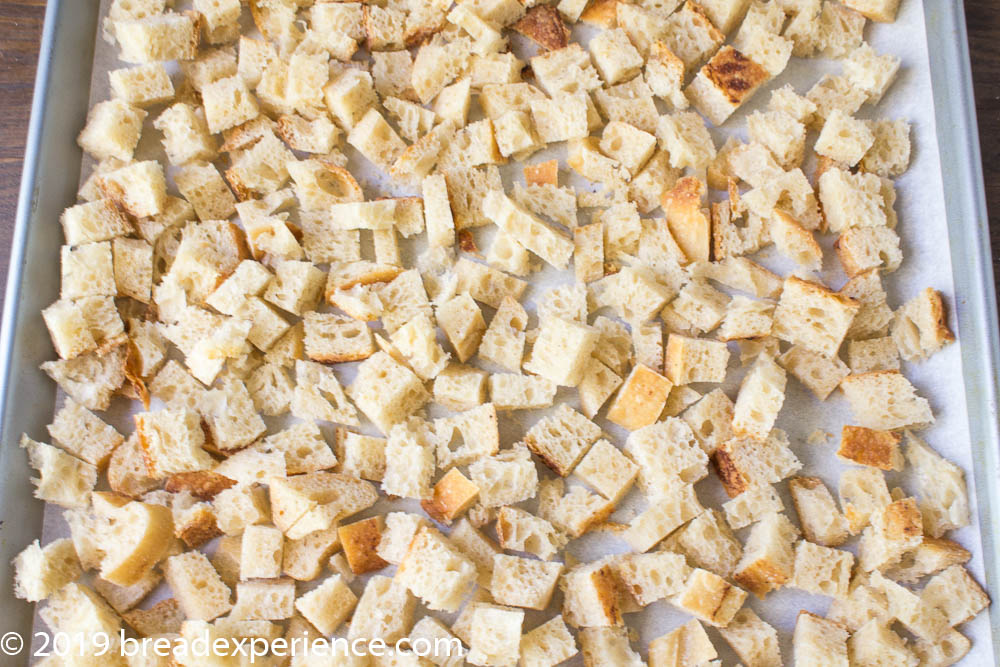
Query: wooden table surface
point(21, 28)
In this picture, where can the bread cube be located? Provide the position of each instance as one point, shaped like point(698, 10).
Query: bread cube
point(384, 610)
point(744, 463)
point(711, 599)
point(518, 530)
point(495, 637)
point(870, 447)
point(261, 552)
point(811, 315)
point(869, 395)
point(590, 595)
point(453, 494)
point(523, 582)
point(956, 594)
point(112, 130)
point(753, 640)
point(172, 441)
point(435, 571)
point(862, 248)
point(561, 117)
point(77, 609)
point(463, 324)
point(409, 459)
point(875, 641)
point(641, 399)
point(768, 556)
point(690, 360)
point(562, 439)
point(895, 529)
point(228, 103)
point(944, 498)
point(673, 508)
point(41, 571)
point(819, 641)
point(143, 85)
point(196, 586)
point(459, 387)
point(889, 155)
point(862, 491)
point(548, 644)
point(386, 391)
point(819, 517)
point(328, 605)
point(920, 327)
point(607, 470)
point(513, 391)
point(725, 83)
point(684, 135)
point(844, 139)
point(686, 643)
point(265, 599)
point(561, 351)
point(691, 35)
point(875, 354)
point(83, 434)
point(615, 57)
point(881, 11)
point(360, 542)
point(297, 286)
point(138, 188)
point(63, 479)
point(870, 72)
point(166, 36)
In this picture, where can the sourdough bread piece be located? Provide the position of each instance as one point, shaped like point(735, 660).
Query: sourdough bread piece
point(662, 517)
point(752, 639)
point(435, 571)
point(768, 559)
point(886, 400)
point(523, 582)
point(920, 326)
point(822, 570)
point(944, 499)
point(819, 641)
point(710, 598)
point(590, 596)
point(668, 456)
point(548, 644)
point(870, 447)
point(685, 644)
point(196, 586)
point(811, 315)
point(41, 571)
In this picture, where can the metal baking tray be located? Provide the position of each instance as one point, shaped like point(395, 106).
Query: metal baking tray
point(51, 176)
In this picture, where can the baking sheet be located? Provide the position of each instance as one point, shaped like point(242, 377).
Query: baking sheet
point(923, 226)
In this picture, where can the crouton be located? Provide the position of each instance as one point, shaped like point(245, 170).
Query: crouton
point(725, 83)
point(41, 571)
point(548, 644)
point(819, 641)
point(605, 469)
point(813, 316)
point(768, 560)
point(710, 598)
point(753, 640)
point(744, 463)
point(590, 596)
point(672, 510)
point(303, 504)
point(752, 506)
point(196, 586)
point(685, 644)
point(920, 327)
point(862, 248)
point(360, 541)
point(544, 26)
point(435, 571)
point(944, 501)
point(684, 135)
point(895, 529)
point(819, 517)
point(690, 360)
point(870, 447)
point(386, 391)
point(668, 455)
point(886, 400)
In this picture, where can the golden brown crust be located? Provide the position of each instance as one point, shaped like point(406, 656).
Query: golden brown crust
point(453, 494)
point(246, 135)
point(359, 541)
point(602, 13)
point(606, 586)
point(701, 20)
point(690, 227)
point(543, 173)
point(729, 474)
point(734, 75)
point(870, 447)
point(939, 315)
point(903, 520)
point(202, 484)
point(641, 399)
point(543, 25)
point(199, 528)
point(761, 577)
point(340, 358)
point(467, 242)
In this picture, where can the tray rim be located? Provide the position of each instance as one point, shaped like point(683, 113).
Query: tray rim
point(965, 205)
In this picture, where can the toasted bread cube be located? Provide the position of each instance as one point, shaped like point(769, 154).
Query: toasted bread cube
point(641, 399)
point(870, 447)
point(360, 542)
point(744, 463)
point(112, 131)
point(615, 57)
point(768, 557)
point(710, 598)
point(811, 315)
point(725, 83)
point(686, 644)
point(895, 529)
point(864, 248)
point(690, 360)
point(679, 506)
point(685, 137)
point(590, 596)
point(196, 585)
point(818, 641)
point(752, 506)
point(453, 494)
point(920, 327)
point(862, 491)
point(941, 484)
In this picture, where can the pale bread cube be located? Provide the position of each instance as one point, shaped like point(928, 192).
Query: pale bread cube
point(94, 221)
point(874, 354)
point(523, 582)
point(505, 478)
point(112, 130)
point(875, 642)
point(753, 640)
point(819, 517)
point(811, 315)
point(895, 529)
point(691, 360)
point(920, 327)
point(752, 505)
point(459, 387)
point(664, 74)
point(819, 373)
point(882, 11)
point(956, 594)
point(662, 518)
point(614, 56)
point(139, 188)
point(157, 37)
point(862, 492)
point(590, 593)
point(668, 455)
point(202, 185)
point(685, 644)
point(886, 400)
point(548, 644)
point(142, 85)
point(744, 463)
point(862, 248)
point(870, 72)
point(228, 103)
point(819, 641)
point(782, 134)
point(186, 137)
point(691, 35)
point(210, 65)
point(761, 395)
point(926, 622)
point(436, 571)
point(707, 542)
point(41, 571)
point(63, 479)
point(513, 391)
point(844, 139)
point(83, 434)
point(196, 586)
point(409, 460)
point(944, 501)
point(605, 469)
point(948, 650)
point(515, 134)
point(261, 552)
point(684, 135)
